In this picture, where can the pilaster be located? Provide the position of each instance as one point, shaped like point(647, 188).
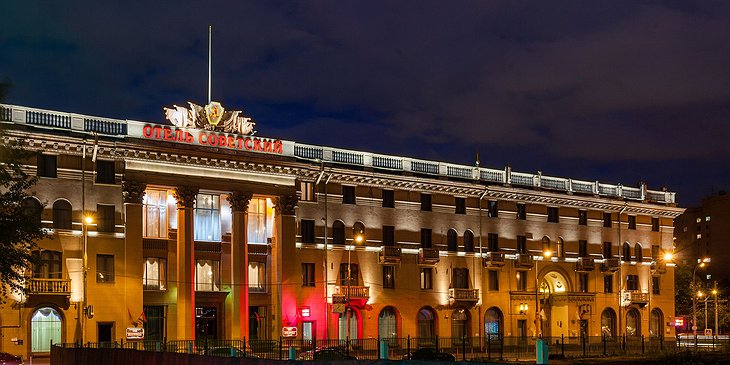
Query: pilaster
point(238, 305)
point(284, 249)
point(185, 196)
point(133, 194)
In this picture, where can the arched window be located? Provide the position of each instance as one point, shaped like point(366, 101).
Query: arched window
point(626, 252)
point(338, 233)
point(388, 323)
point(545, 244)
point(608, 323)
point(426, 323)
point(560, 248)
point(342, 325)
point(638, 255)
point(358, 233)
point(493, 322)
point(468, 241)
point(33, 208)
point(451, 240)
point(45, 326)
point(460, 323)
point(655, 323)
point(633, 323)
point(62, 214)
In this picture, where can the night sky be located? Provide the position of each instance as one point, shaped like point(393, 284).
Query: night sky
point(617, 91)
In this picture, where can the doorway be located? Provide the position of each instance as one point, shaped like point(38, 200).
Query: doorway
point(105, 332)
point(206, 322)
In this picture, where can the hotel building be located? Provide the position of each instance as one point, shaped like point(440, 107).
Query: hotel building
point(196, 232)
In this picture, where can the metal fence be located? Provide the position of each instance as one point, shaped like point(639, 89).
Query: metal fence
point(467, 348)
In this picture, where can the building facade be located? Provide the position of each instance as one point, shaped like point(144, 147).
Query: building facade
point(201, 233)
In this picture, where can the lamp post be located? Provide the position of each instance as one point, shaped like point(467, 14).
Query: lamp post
point(714, 292)
point(546, 254)
point(358, 236)
point(84, 308)
point(700, 263)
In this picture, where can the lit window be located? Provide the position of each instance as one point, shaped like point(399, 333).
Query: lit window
point(260, 220)
point(308, 194)
point(154, 274)
point(426, 282)
point(207, 217)
point(699, 235)
point(699, 220)
point(257, 276)
point(707, 219)
point(154, 214)
point(207, 275)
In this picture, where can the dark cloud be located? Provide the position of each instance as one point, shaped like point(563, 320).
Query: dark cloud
point(618, 91)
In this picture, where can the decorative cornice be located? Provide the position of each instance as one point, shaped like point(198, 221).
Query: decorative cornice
point(239, 200)
point(133, 191)
point(185, 196)
point(285, 204)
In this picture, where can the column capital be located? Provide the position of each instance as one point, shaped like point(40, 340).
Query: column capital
point(133, 191)
point(185, 196)
point(285, 204)
point(239, 200)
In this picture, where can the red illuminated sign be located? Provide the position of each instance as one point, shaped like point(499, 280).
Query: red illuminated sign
point(305, 312)
point(212, 139)
point(679, 322)
point(289, 332)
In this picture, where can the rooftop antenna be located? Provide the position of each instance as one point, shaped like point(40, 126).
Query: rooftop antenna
point(210, 45)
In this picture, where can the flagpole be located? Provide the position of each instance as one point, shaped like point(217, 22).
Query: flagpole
point(210, 46)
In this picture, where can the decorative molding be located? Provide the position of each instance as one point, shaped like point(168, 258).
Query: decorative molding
point(133, 191)
point(285, 204)
point(185, 196)
point(239, 200)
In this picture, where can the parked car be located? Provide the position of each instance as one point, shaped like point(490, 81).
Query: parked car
point(225, 351)
point(326, 354)
point(429, 354)
point(9, 359)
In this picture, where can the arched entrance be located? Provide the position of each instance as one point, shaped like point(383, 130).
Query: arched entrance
point(354, 324)
point(608, 323)
point(426, 327)
point(45, 327)
point(493, 322)
point(554, 288)
point(633, 323)
point(388, 323)
point(655, 323)
point(460, 323)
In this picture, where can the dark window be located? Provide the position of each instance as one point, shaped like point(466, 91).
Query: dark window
point(632, 222)
point(655, 224)
point(33, 208)
point(47, 265)
point(521, 212)
point(468, 241)
point(307, 231)
point(389, 277)
point(388, 199)
point(493, 280)
point(492, 210)
point(105, 218)
point(354, 274)
point(521, 281)
point(338, 233)
point(552, 213)
point(460, 278)
point(46, 166)
point(655, 285)
point(582, 248)
point(426, 278)
point(626, 252)
point(582, 218)
point(348, 194)
point(460, 204)
point(607, 220)
point(583, 282)
point(105, 172)
point(104, 268)
point(638, 253)
point(425, 237)
point(608, 284)
point(521, 244)
point(388, 236)
point(307, 274)
point(493, 242)
point(426, 202)
point(655, 252)
point(62, 214)
point(451, 244)
point(154, 326)
point(607, 252)
point(632, 282)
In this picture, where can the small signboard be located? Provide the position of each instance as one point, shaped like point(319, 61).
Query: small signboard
point(679, 322)
point(135, 333)
point(708, 331)
point(288, 332)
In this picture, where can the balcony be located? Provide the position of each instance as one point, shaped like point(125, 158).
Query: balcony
point(463, 295)
point(389, 255)
point(356, 292)
point(493, 260)
point(428, 256)
point(585, 264)
point(658, 267)
point(610, 265)
point(634, 297)
point(49, 286)
point(524, 262)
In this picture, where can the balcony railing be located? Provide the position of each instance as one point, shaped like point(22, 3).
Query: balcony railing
point(464, 295)
point(639, 298)
point(389, 254)
point(428, 255)
point(585, 264)
point(494, 259)
point(610, 265)
point(356, 292)
point(524, 261)
point(49, 286)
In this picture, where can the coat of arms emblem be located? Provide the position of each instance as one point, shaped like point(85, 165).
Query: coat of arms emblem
point(210, 117)
point(214, 112)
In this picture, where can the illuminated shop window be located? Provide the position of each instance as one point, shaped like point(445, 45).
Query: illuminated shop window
point(207, 275)
point(260, 220)
point(155, 274)
point(257, 276)
point(208, 217)
point(154, 214)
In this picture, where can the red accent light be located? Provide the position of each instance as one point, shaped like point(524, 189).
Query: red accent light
point(305, 311)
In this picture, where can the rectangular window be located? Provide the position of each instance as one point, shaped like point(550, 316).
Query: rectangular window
point(582, 248)
point(460, 204)
point(608, 284)
point(154, 214)
point(260, 220)
point(47, 264)
point(552, 213)
point(521, 212)
point(655, 224)
point(492, 210)
point(46, 166)
point(425, 202)
point(307, 226)
point(655, 285)
point(104, 268)
point(388, 199)
point(207, 275)
point(348, 194)
point(582, 218)
point(607, 220)
point(154, 327)
point(493, 280)
point(426, 278)
point(607, 252)
point(308, 274)
point(257, 277)
point(105, 172)
point(308, 193)
point(632, 282)
point(425, 237)
point(632, 222)
point(155, 274)
point(388, 236)
point(521, 244)
point(208, 218)
point(105, 218)
point(583, 282)
point(389, 277)
point(521, 281)
point(493, 242)
point(460, 278)
point(354, 274)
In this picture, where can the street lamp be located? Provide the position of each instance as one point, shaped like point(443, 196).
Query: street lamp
point(85, 307)
point(546, 254)
point(358, 236)
point(714, 292)
point(700, 263)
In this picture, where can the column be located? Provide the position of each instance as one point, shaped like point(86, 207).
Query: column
point(239, 201)
point(284, 253)
point(185, 196)
point(132, 195)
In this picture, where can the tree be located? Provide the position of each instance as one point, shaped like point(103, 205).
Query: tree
point(20, 225)
point(682, 290)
